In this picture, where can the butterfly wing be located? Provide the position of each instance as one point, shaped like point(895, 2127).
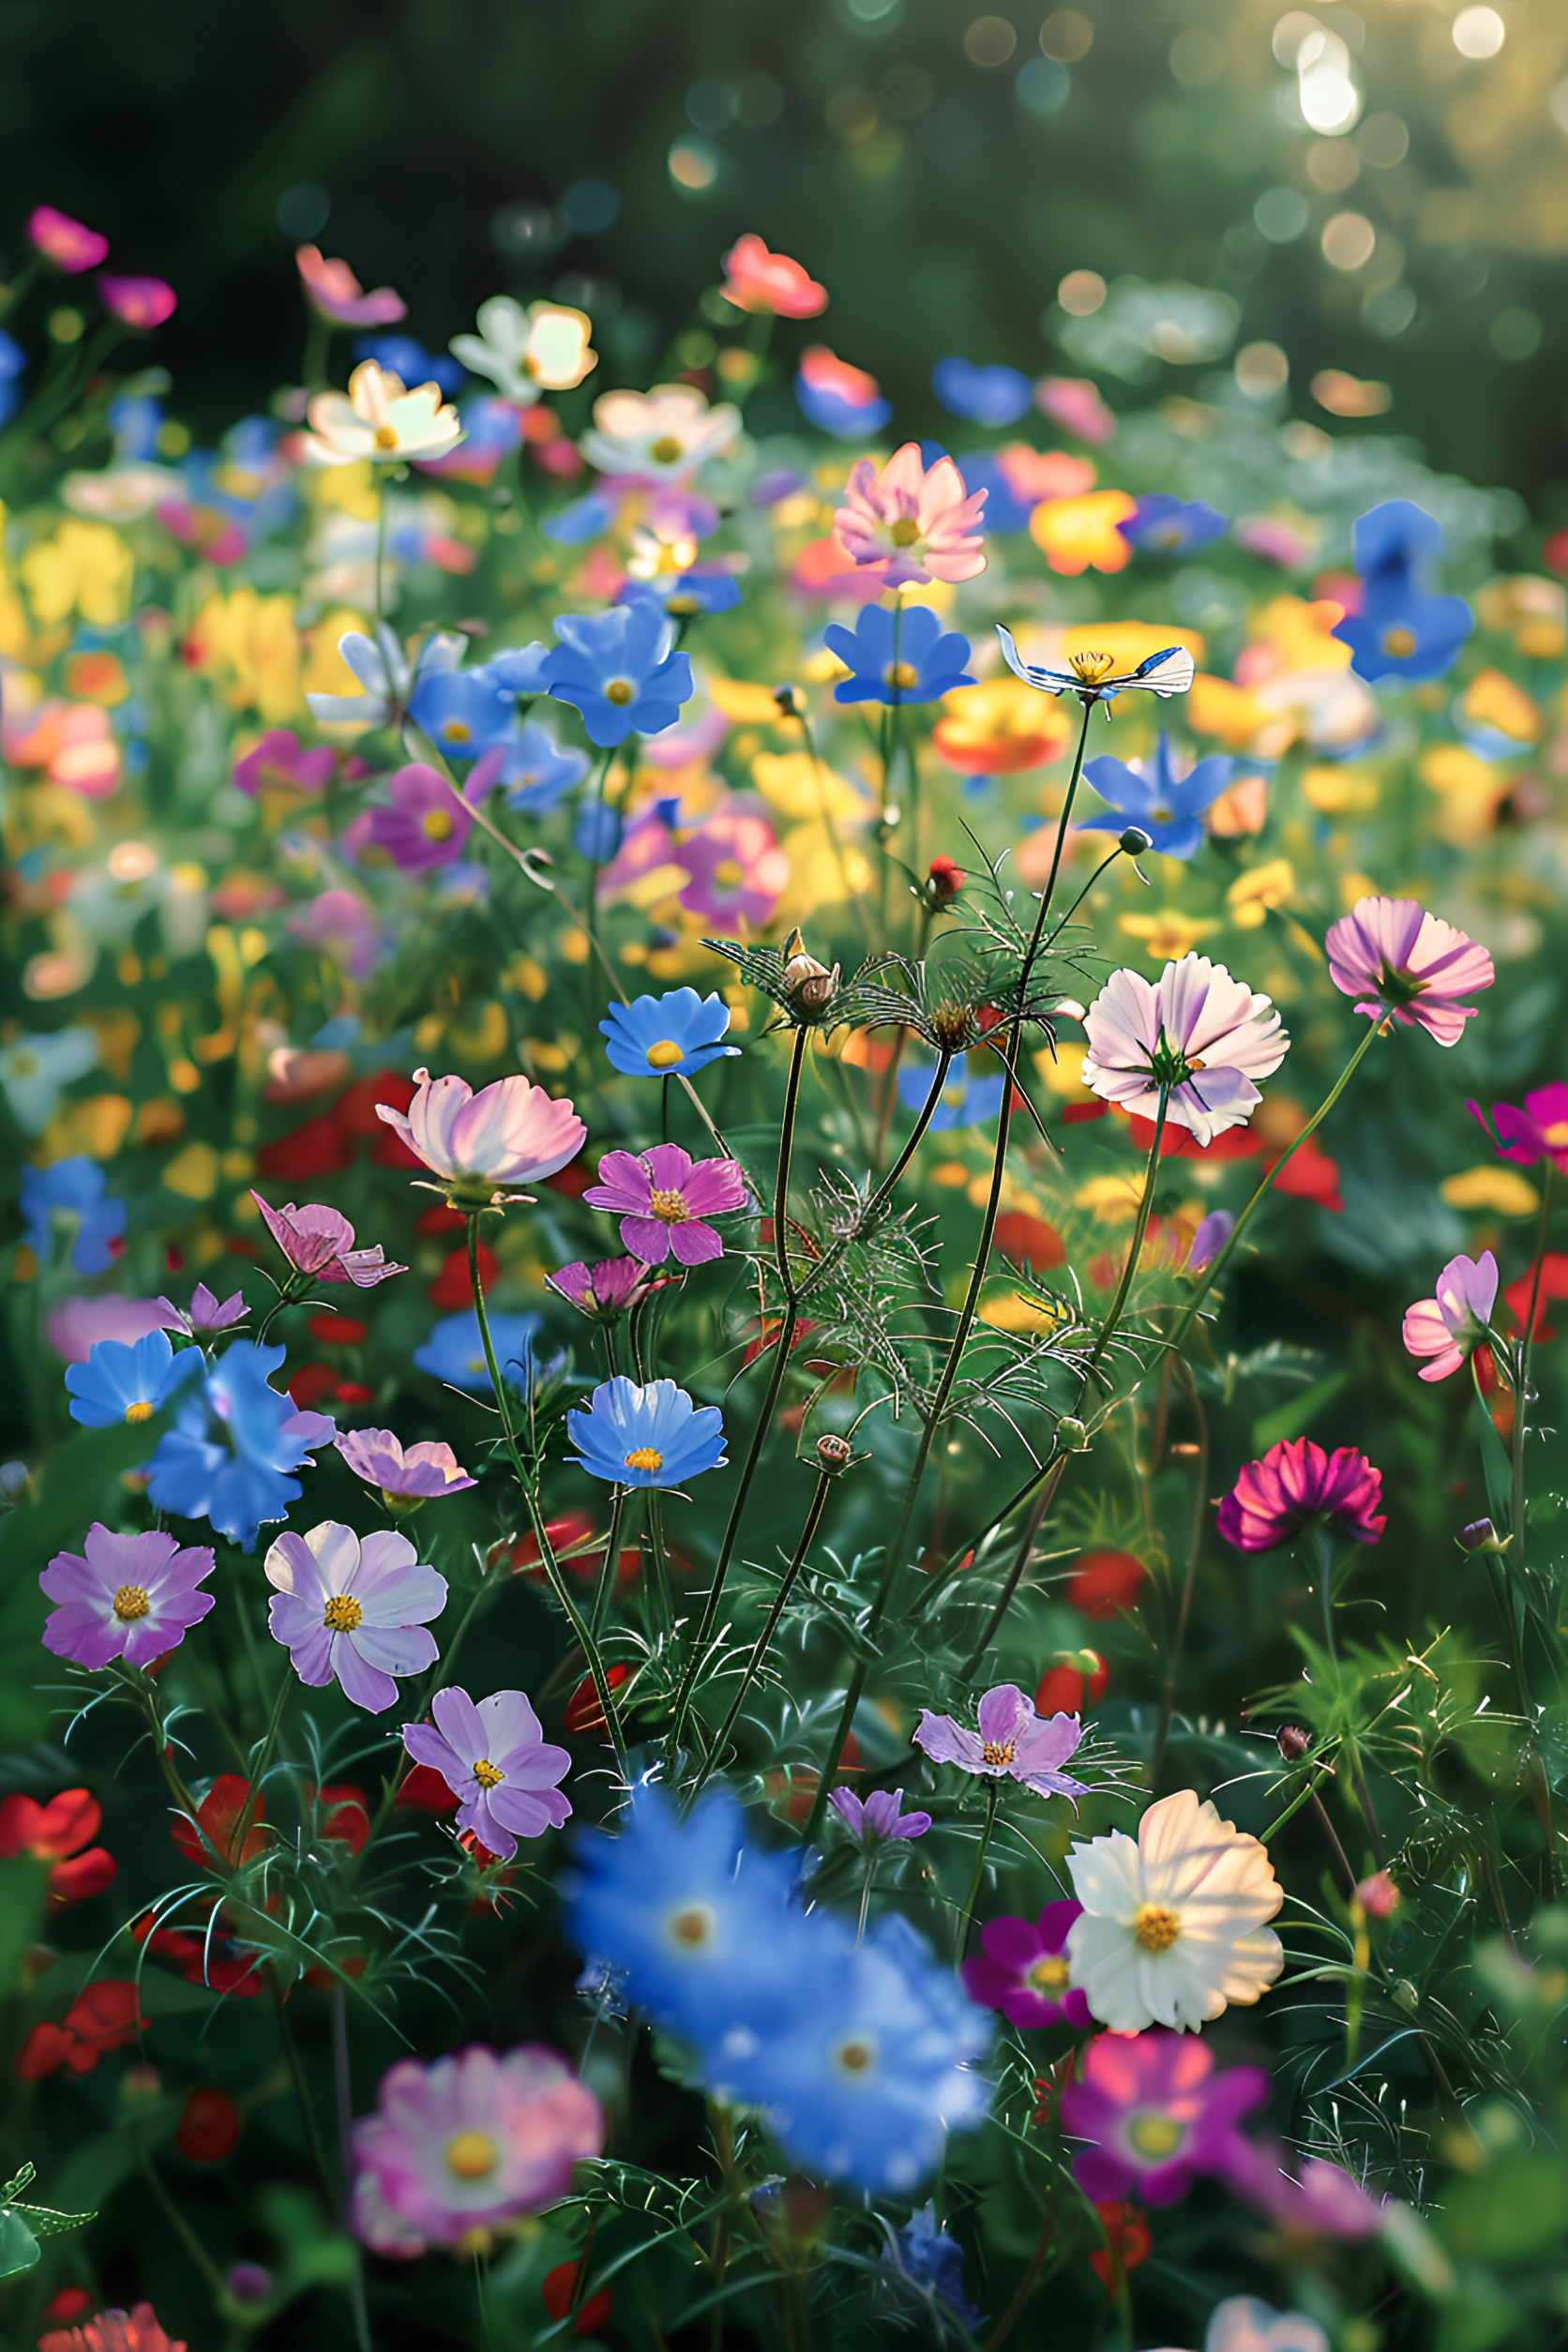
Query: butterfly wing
point(1045, 681)
point(1164, 674)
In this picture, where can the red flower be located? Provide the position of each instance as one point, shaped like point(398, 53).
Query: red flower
point(103, 2017)
point(355, 1110)
point(1296, 1483)
point(70, 2302)
point(1068, 1687)
point(52, 1832)
point(439, 1218)
point(114, 2332)
point(338, 1331)
point(341, 1812)
point(318, 1148)
point(583, 1711)
point(1552, 1284)
point(452, 1287)
point(1106, 1584)
point(1029, 1240)
point(1127, 2241)
point(423, 1791)
point(209, 2127)
point(559, 2286)
point(216, 1825)
point(212, 1957)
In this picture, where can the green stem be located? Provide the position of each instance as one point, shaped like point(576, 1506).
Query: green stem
point(1135, 1250)
point(302, 2096)
point(830, 825)
point(1200, 1520)
point(1325, 1581)
point(1021, 1561)
point(780, 1602)
point(177, 2221)
point(253, 1794)
point(342, 2089)
point(20, 286)
point(591, 919)
point(661, 1595)
point(317, 341)
point(966, 1917)
point(610, 1570)
point(862, 1223)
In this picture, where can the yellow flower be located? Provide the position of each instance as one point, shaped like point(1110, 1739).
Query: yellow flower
point(1215, 707)
point(1469, 789)
point(381, 420)
point(1111, 1198)
point(1253, 895)
point(1302, 634)
point(1000, 727)
point(1062, 1072)
point(1167, 936)
point(1492, 699)
point(748, 705)
point(1533, 608)
point(1490, 1187)
point(252, 642)
point(798, 786)
point(85, 568)
point(1075, 533)
point(1340, 791)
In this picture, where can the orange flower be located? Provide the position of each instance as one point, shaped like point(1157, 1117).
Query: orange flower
point(999, 728)
point(756, 280)
point(1075, 534)
point(1127, 2242)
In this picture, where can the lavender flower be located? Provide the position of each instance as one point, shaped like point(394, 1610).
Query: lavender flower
point(880, 1819)
point(132, 1597)
point(492, 1756)
point(352, 1611)
point(1012, 1742)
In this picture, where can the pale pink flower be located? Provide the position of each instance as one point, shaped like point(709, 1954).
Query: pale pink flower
point(333, 289)
point(736, 870)
point(1402, 964)
point(342, 926)
point(351, 1610)
point(407, 1476)
point(75, 1326)
point(1012, 1742)
point(1446, 1328)
point(1319, 2200)
point(509, 1133)
point(1074, 401)
point(756, 280)
point(319, 1241)
point(923, 524)
point(63, 241)
point(1196, 1032)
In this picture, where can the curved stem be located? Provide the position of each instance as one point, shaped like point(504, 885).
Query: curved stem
point(1135, 1248)
point(966, 1917)
point(780, 1602)
point(612, 1567)
point(862, 1223)
point(1021, 1561)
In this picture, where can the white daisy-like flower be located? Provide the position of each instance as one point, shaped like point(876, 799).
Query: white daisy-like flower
point(659, 436)
point(1173, 1924)
point(1195, 1032)
point(524, 352)
point(379, 418)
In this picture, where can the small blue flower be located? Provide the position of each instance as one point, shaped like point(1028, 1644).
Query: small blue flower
point(619, 670)
point(536, 771)
point(985, 395)
point(120, 1383)
point(1163, 525)
point(1169, 807)
point(681, 594)
point(982, 470)
point(660, 1036)
point(932, 2260)
point(405, 357)
point(13, 359)
point(966, 1102)
point(1401, 631)
point(68, 1197)
point(234, 1443)
point(519, 669)
point(585, 519)
point(930, 661)
point(830, 412)
point(645, 1437)
point(455, 1352)
point(135, 421)
point(464, 712)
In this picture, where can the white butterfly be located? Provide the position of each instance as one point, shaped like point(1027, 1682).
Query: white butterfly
point(1091, 678)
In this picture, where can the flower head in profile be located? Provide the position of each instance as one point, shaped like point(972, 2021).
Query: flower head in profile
point(756, 280)
point(1165, 806)
point(665, 1036)
point(1099, 677)
point(319, 1241)
point(663, 1199)
point(1447, 1327)
point(1154, 2113)
point(483, 1145)
point(620, 671)
point(1293, 1483)
point(526, 349)
point(380, 422)
point(497, 1763)
point(921, 524)
point(880, 1819)
point(121, 1382)
point(1021, 1969)
point(234, 1442)
point(385, 676)
point(1011, 1742)
point(134, 2331)
point(63, 241)
point(334, 293)
point(353, 1611)
point(139, 303)
point(607, 1291)
point(1402, 964)
point(652, 1435)
point(70, 1199)
point(131, 1597)
point(911, 658)
point(1175, 1923)
point(1195, 1033)
point(1538, 1132)
point(406, 1475)
point(1305, 2199)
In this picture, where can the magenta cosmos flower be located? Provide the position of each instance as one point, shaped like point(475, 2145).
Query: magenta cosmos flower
point(1154, 2113)
point(143, 303)
point(1012, 1742)
point(1538, 1132)
point(333, 289)
point(66, 242)
point(468, 2144)
point(737, 871)
point(1201, 1035)
point(509, 1133)
point(662, 1197)
point(921, 525)
point(407, 1476)
point(1021, 1969)
point(1446, 1328)
point(428, 823)
point(354, 1610)
point(319, 1241)
point(1319, 2200)
point(1402, 964)
point(493, 1758)
point(133, 1597)
point(607, 1291)
point(1296, 1483)
point(342, 926)
point(278, 765)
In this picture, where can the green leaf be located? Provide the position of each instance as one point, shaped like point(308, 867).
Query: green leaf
point(1515, 2211)
point(1499, 1469)
point(43, 2223)
point(19, 2248)
point(1291, 1417)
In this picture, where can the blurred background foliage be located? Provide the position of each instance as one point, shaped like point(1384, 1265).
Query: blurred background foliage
point(943, 169)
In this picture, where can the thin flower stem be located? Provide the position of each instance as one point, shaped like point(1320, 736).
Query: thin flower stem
point(610, 1570)
point(830, 825)
point(1026, 2285)
point(966, 1917)
point(383, 502)
point(252, 1795)
point(592, 922)
point(1199, 1521)
point(658, 1568)
point(1135, 1248)
point(301, 2092)
point(1021, 1561)
point(177, 2221)
point(862, 1223)
point(780, 1602)
point(1325, 1580)
point(343, 2092)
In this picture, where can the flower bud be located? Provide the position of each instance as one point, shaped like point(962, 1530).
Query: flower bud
point(944, 881)
point(789, 701)
point(1071, 1435)
point(1379, 1896)
point(1482, 1536)
point(248, 2283)
point(1293, 1742)
point(811, 985)
point(834, 1453)
point(1134, 841)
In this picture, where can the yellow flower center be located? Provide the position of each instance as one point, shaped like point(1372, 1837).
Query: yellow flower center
point(1092, 667)
point(458, 731)
point(1400, 643)
point(1050, 1975)
point(905, 531)
point(646, 1457)
point(1154, 1928)
point(666, 450)
point(668, 1207)
point(692, 1928)
point(489, 1775)
point(620, 691)
point(1557, 1134)
point(437, 825)
point(139, 1411)
point(902, 674)
point(471, 2154)
point(664, 1055)
point(1155, 2136)
point(1162, 814)
point(24, 1065)
point(728, 874)
point(997, 1752)
point(386, 436)
point(855, 2057)
point(342, 1613)
point(130, 1603)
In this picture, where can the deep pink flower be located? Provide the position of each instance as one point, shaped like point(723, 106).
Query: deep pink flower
point(510, 1133)
point(880, 1821)
point(494, 1758)
point(204, 1314)
point(140, 302)
point(1155, 2113)
point(1012, 1742)
point(1446, 1328)
point(737, 869)
point(922, 525)
point(319, 1241)
point(66, 242)
point(354, 1611)
point(75, 1326)
point(1402, 964)
point(332, 289)
point(1021, 1969)
point(132, 1597)
point(277, 761)
point(428, 823)
point(661, 1198)
point(1319, 2200)
point(1202, 1036)
point(607, 1291)
point(408, 1475)
point(1538, 1132)
point(1296, 1483)
point(756, 280)
point(342, 926)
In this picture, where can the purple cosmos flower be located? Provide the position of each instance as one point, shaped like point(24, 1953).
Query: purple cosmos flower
point(880, 1818)
point(1210, 1239)
point(342, 926)
point(1155, 2113)
point(278, 764)
point(491, 1757)
point(319, 1241)
point(205, 1314)
point(1319, 2200)
point(133, 1597)
point(1538, 1132)
point(1012, 1742)
point(604, 1292)
point(1296, 1483)
point(354, 1610)
point(1446, 1328)
point(661, 1198)
point(407, 1476)
point(1402, 964)
point(427, 823)
point(1021, 1969)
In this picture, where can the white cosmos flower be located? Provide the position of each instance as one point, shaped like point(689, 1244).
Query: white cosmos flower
point(380, 419)
point(524, 352)
point(660, 435)
point(35, 1067)
point(1173, 1923)
point(1195, 1030)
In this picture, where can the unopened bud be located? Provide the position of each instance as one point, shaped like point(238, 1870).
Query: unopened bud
point(944, 881)
point(1134, 841)
point(789, 701)
point(834, 1453)
point(1482, 1536)
point(1293, 1742)
point(1071, 1435)
point(812, 984)
point(1379, 1896)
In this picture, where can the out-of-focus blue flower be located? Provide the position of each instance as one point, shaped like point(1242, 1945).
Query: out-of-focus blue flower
point(618, 669)
point(583, 520)
point(597, 835)
point(234, 1442)
point(68, 1197)
point(13, 359)
point(966, 1102)
point(645, 1437)
point(121, 1382)
point(464, 712)
point(932, 2260)
point(684, 593)
point(839, 399)
point(658, 1035)
point(982, 470)
point(1401, 631)
point(1167, 806)
point(770, 489)
point(1163, 525)
point(929, 663)
point(455, 1352)
point(404, 355)
point(521, 668)
point(985, 395)
point(536, 771)
point(135, 421)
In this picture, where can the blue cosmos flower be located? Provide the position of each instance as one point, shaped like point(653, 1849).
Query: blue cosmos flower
point(404, 355)
point(645, 1437)
point(68, 1197)
point(1167, 807)
point(537, 772)
point(235, 1439)
point(1401, 631)
point(930, 663)
point(658, 1035)
point(985, 395)
point(517, 669)
point(585, 519)
point(681, 594)
point(619, 669)
point(966, 1102)
point(982, 470)
point(455, 1352)
point(932, 2260)
point(823, 405)
point(123, 1383)
point(1163, 525)
point(464, 712)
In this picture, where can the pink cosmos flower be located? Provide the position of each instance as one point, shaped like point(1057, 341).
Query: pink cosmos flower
point(354, 1610)
point(342, 926)
point(66, 242)
point(1319, 2200)
point(332, 289)
point(468, 2144)
point(1195, 1030)
point(75, 1326)
point(1021, 1969)
point(1154, 2113)
point(1378, 1896)
point(143, 303)
point(277, 761)
point(1296, 1483)
point(1075, 402)
point(509, 1133)
point(319, 1241)
point(1402, 964)
point(134, 2331)
point(756, 280)
point(205, 1314)
point(607, 1291)
point(494, 1759)
point(1446, 1328)
point(1538, 1132)
point(737, 870)
point(428, 823)
point(415, 1471)
point(132, 1597)
point(1012, 1742)
point(922, 525)
point(661, 1198)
